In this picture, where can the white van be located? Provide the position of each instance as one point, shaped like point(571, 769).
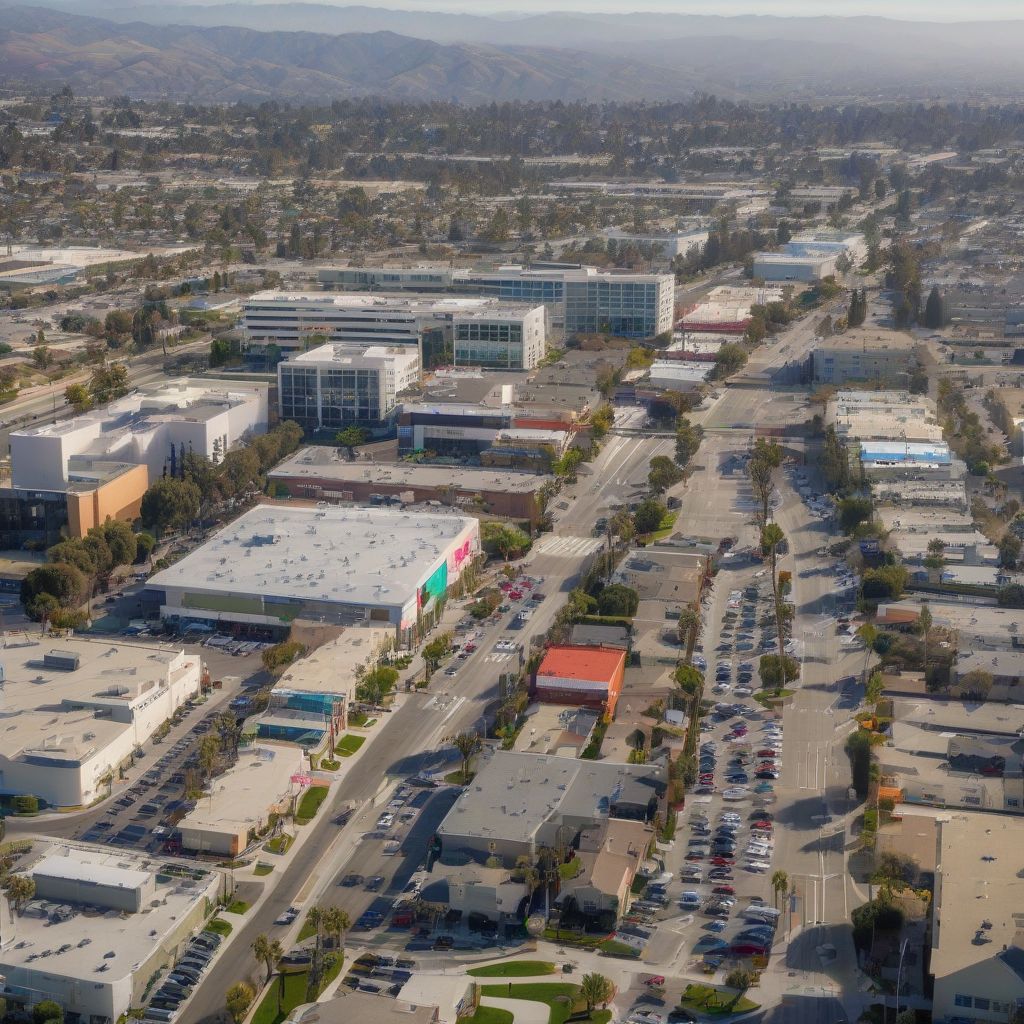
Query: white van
point(769, 914)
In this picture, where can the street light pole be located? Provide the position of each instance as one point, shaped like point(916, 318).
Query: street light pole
point(899, 975)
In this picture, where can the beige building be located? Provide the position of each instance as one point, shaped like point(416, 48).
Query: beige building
point(977, 959)
point(867, 356)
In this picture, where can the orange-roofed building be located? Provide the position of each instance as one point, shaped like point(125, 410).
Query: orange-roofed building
point(587, 676)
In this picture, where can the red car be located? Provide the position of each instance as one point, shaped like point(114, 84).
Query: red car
point(763, 826)
point(471, 647)
point(719, 861)
point(506, 586)
point(747, 949)
point(724, 890)
point(515, 594)
point(767, 752)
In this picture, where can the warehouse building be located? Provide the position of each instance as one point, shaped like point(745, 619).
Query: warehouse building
point(101, 928)
point(335, 386)
point(326, 474)
point(76, 710)
point(586, 676)
point(806, 265)
point(342, 566)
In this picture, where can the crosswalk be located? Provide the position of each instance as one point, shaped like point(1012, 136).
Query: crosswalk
point(567, 547)
point(500, 656)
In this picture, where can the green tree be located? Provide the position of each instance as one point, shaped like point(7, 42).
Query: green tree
point(602, 420)
point(648, 516)
point(662, 474)
point(618, 600)
point(689, 680)
point(169, 504)
point(1009, 550)
point(935, 309)
point(858, 750)
point(924, 624)
point(336, 923)
point(776, 671)
point(434, 651)
point(468, 744)
point(351, 438)
point(687, 628)
point(144, 543)
point(108, 383)
point(835, 462)
point(597, 990)
point(237, 1001)
point(853, 512)
point(780, 885)
point(729, 358)
point(508, 540)
point(688, 439)
point(771, 538)
point(762, 483)
point(976, 684)
point(377, 684)
point(56, 585)
point(78, 397)
point(42, 357)
point(20, 890)
point(739, 980)
point(269, 952)
point(47, 1011)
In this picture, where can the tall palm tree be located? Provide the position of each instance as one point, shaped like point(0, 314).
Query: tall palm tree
point(336, 924)
point(771, 537)
point(780, 885)
point(689, 623)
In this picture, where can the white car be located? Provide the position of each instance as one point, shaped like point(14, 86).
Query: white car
point(759, 865)
point(288, 916)
point(385, 821)
point(735, 793)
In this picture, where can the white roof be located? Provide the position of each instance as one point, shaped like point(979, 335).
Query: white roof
point(74, 866)
point(358, 556)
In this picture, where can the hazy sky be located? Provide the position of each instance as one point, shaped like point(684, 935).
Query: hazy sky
point(924, 10)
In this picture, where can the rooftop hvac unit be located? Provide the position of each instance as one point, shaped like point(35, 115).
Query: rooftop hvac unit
point(63, 661)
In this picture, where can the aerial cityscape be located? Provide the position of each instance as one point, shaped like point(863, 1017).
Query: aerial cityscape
point(511, 516)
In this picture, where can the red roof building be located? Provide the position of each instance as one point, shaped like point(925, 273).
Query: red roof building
point(584, 676)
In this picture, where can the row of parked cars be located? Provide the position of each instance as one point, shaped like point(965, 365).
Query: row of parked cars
point(182, 978)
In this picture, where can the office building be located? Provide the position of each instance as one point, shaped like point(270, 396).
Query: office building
point(335, 386)
point(852, 244)
point(76, 710)
point(340, 565)
point(666, 246)
point(326, 474)
point(864, 357)
point(295, 322)
point(99, 464)
point(804, 265)
point(101, 929)
point(578, 299)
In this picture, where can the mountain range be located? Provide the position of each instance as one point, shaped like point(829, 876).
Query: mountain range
point(316, 51)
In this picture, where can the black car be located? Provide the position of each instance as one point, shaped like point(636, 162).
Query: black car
point(350, 881)
point(681, 1017)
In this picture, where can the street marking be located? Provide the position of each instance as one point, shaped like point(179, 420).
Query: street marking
point(568, 546)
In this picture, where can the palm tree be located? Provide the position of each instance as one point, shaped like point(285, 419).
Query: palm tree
point(336, 924)
point(689, 624)
point(771, 537)
point(238, 1000)
point(467, 744)
point(868, 634)
point(924, 620)
point(596, 989)
point(269, 951)
point(780, 885)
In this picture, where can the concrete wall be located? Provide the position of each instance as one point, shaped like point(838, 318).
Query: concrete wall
point(120, 498)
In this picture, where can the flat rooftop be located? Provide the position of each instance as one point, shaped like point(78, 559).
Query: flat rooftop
point(355, 354)
point(50, 710)
point(332, 667)
point(95, 937)
point(981, 890)
point(328, 463)
point(593, 664)
point(378, 300)
point(865, 340)
point(355, 556)
point(241, 797)
point(556, 729)
point(929, 521)
point(954, 716)
point(970, 620)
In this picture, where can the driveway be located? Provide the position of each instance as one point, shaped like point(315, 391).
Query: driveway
point(524, 1011)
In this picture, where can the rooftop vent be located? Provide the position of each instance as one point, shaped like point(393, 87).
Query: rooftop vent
point(63, 661)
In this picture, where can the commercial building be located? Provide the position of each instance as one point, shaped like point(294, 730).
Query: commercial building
point(236, 809)
point(339, 565)
point(294, 321)
point(666, 246)
point(891, 459)
point(850, 243)
point(578, 299)
point(806, 266)
point(860, 356)
point(587, 676)
point(884, 416)
point(335, 386)
point(977, 935)
point(326, 474)
point(521, 802)
point(76, 710)
point(309, 704)
point(99, 464)
point(101, 928)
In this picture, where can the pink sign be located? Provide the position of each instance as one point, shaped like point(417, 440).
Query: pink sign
point(302, 780)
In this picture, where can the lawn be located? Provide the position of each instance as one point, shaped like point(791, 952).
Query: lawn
point(570, 870)
point(514, 969)
point(767, 696)
point(560, 996)
point(489, 1015)
point(615, 948)
point(349, 744)
point(236, 907)
point(294, 992)
point(581, 939)
point(310, 804)
point(279, 844)
point(218, 926)
point(308, 929)
point(715, 1001)
point(456, 778)
point(262, 869)
point(360, 720)
point(329, 765)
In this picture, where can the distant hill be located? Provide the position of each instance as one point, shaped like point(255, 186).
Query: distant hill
point(184, 62)
point(242, 50)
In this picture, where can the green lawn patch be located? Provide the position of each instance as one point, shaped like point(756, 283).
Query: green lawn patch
point(571, 938)
point(349, 744)
point(715, 1001)
point(328, 764)
point(458, 779)
point(561, 997)
point(218, 926)
point(310, 804)
point(262, 869)
point(489, 1015)
point(615, 948)
point(514, 969)
point(279, 844)
point(236, 907)
point(766, 697)
point(361, 720)
point(294, 993)
point(307, 930)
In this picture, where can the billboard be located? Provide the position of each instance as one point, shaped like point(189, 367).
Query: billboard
point(434, 587)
